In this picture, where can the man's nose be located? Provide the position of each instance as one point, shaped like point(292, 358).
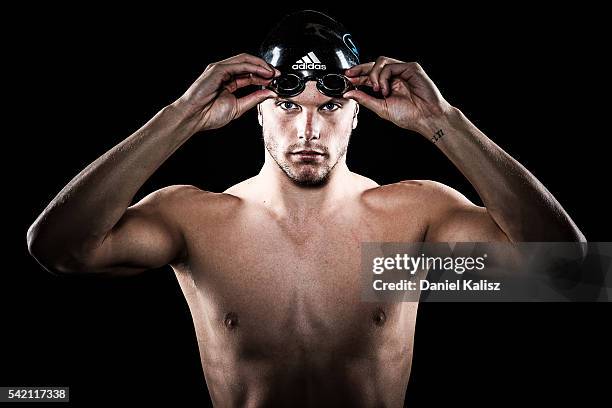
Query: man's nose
point(308, 126)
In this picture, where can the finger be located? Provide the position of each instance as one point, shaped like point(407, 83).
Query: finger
point(405, 70)
point(385, 75)
point(229, 70)
point(361, 69)
point(251, 59)
point(374, 104)
point(360, 80)
point(246, 80)
point(249, 101)
point(374, 74)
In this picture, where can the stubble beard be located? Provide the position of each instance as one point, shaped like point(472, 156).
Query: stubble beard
point(302, 174)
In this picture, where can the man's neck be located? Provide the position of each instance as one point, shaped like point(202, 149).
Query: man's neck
point(302, 203)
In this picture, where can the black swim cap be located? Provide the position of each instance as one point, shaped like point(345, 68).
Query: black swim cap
point(309, 43)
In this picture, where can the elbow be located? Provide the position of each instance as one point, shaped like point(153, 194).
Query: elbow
point(572, 241)
point(54, 261)
point(574, 244)
point(582, 244)
point(36, 246)
point(576, 241)
point(57, 266)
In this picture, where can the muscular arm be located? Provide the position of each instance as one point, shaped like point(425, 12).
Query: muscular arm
point(516, 204)
point(454, 218)
point(90, 227)
point(515, 201)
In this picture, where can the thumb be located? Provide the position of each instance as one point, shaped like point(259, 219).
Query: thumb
point(374, 104)
point(247, 102)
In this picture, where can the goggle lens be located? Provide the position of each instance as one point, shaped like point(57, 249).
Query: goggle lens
point(288, 85)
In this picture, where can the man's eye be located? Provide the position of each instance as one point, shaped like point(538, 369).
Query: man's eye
point(287, 105)
point(330, 107)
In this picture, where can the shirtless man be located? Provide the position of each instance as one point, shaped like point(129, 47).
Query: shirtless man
point(270, 267)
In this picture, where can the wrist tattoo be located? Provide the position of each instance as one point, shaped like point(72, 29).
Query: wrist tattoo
point(437, 136)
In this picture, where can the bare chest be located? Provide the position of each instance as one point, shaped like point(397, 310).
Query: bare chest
point(257, 283)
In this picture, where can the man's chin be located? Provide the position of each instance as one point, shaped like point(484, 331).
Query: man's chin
point(309, 177)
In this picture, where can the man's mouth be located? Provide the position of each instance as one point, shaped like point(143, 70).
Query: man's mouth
point(307, 154)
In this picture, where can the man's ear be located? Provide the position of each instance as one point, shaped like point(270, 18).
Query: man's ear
point(355, 115)
point(259, 116)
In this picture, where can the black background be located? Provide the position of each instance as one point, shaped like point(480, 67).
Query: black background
point(88, 78)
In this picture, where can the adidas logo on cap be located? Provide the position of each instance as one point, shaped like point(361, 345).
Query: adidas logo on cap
point(309, 61)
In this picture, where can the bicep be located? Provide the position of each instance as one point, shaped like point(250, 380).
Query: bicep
point(454, 218)
point(145, 237)
point(465, 223)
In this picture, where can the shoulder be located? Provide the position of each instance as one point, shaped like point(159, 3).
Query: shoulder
point(441, 196)
point(452, 217)
point(425, 192)
point(449, 216)
point(426, 200)
point(169, 193)
point(177, 200)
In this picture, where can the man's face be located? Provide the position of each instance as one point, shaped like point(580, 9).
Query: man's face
point(308, 121)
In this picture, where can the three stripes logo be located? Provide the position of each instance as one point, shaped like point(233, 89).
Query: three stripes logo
point(309, 61)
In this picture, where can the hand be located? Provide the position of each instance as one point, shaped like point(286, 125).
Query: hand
point(210, 101)
point(409, 98)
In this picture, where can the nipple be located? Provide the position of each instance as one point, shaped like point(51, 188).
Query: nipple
point(379, 317)
point(231, 320)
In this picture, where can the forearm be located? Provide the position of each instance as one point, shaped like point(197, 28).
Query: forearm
point(88, 207)
point(520, 205)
